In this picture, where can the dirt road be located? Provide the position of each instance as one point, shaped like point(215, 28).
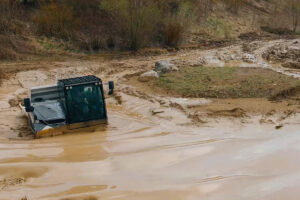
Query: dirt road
point(151, 149)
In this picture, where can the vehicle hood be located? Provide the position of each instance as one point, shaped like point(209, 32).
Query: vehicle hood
point(49, 112)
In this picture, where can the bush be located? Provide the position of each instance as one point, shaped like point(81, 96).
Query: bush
point(125, 24)
point(55, 20)
point(234, 5)
point(181, 16)
point(219, 28)
point(9, 11)
point(173, 34)
point(78, 21)
point(134, 21)
point(90, 43)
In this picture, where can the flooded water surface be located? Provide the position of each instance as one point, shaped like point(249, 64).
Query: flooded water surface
point(154, 148)
point(136, 157)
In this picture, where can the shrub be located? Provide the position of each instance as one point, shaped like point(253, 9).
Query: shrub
point(55, 20)
point(180, 16)
point(173, 34)
point(134, 20)
point(90, 42)
point(234, 5)
point(219, 28)
point(125, 24)
point(13, 30)
point(9, 11)
point(78, 21)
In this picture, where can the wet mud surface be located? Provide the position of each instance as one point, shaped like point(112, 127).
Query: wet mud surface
point(153, 148)
point(142, 158)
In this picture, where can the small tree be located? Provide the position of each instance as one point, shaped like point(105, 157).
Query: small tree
point(134, 19)
point(55, 20)
point(233, 5)
point(293, 7)
point(177, 20)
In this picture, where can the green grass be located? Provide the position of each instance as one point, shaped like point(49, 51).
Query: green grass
point(227, 82)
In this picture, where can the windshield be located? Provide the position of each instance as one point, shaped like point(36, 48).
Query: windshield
point(85, 103)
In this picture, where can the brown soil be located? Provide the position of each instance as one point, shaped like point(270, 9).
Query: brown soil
point(243, 107)
point(238, 107)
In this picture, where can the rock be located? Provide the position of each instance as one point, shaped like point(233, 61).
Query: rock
point(147, 76)
point(250, 47)
point(157, 111)
point(249, 58)
point(174, 68)
point(195, 62)
point(214, 61)
point(164, 66)
point(283, 52)
point(202, 61)
point(278, 126)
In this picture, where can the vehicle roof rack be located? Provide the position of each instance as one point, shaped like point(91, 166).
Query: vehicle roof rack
point(79, 80)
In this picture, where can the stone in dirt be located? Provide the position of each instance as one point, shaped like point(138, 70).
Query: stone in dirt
point(283, 52)
point(249, 58)
point(278, 127)
point(165, 66)
point(147, 76)
point(157, 111)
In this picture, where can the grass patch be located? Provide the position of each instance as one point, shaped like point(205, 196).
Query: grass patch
point(227, 82)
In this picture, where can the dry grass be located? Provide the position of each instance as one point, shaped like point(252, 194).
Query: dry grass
point(13, 46)
point(14, 31)
point(2, 76)
point(55, 20)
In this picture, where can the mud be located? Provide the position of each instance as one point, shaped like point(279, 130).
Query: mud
point(155, 146)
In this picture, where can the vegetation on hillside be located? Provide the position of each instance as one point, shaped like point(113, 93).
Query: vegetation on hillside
point(285, 14)
point(132, 24)
point(13, 30)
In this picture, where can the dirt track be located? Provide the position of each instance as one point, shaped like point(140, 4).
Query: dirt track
point(154, 147)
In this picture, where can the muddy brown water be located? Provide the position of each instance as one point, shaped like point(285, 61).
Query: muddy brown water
point(142, 157)
point(139, 156)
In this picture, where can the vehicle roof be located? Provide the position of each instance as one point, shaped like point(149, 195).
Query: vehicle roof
point(80, 80)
